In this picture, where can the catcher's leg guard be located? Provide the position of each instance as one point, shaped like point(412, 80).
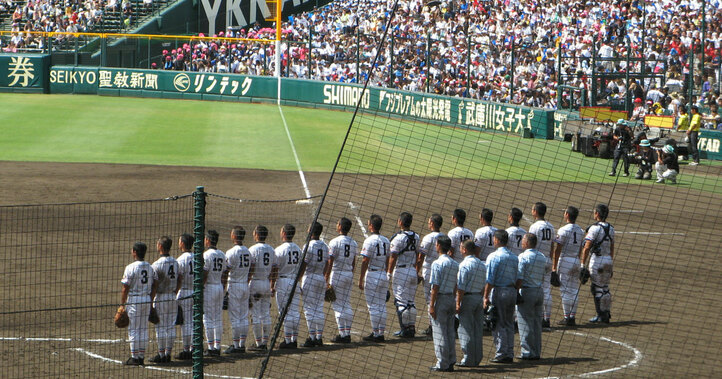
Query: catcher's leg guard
point(597, 293)
point(605, 300)
point(400, 309)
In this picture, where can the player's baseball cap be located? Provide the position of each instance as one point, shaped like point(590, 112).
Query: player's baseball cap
point(668, 149)
point(644, 143)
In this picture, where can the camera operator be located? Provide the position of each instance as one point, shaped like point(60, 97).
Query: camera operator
point(623, 136)
point(645, 158)
point(667, 166)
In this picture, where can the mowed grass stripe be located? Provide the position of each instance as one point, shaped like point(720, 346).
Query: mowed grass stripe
point(78, 128)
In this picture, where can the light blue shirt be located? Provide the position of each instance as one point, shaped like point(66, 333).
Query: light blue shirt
point(532, 266)
point(501, 268)
point(443, 274)
point(472, 275)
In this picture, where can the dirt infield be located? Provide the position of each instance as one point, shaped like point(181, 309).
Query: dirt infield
point(665, 288)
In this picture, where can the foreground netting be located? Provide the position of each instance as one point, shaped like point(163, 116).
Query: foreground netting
point(663, 284)
point(62, 283)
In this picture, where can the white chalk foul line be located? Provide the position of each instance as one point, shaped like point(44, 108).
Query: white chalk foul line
point(156, 368)
point(295, 155)
point(634, 362)
point(360, 223)
point(654, 233)
point(54, 339)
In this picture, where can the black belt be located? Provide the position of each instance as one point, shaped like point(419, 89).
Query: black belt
point(401, 266)
point(529, 287)
point(285, 277)
point(375, 269)
point(472, 293)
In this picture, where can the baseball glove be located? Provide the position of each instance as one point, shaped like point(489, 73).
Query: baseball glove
point(519, 298)
point(153, 316)
point(121, 319)
point(179, 316)
point(555, 279)
point(330, 295)
point(388, 295)
point(584, 275)
point(225, 301)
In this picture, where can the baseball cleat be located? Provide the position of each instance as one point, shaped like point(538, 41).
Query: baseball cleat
point(258, 348)
point(612, 173)
point(692, 164)
point(318, 342)
point(546, 324)
point(157, 359)
point(370, 338)
point(132, 362)
point(184, 355)
point(166, 359)
point(339, 339)
point(428, 331)
point(287, 345)
point(660, 180)
point(233, 350)
point(502, 360)
point(595, 319)
point(309, 343)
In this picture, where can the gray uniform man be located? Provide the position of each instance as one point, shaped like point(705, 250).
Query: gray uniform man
point(469, 300)
point(444, 271)
point(501, 274)
point(532, 268)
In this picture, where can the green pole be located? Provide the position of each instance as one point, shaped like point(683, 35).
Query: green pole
point(468, 61)
point(428, 61)
point(75, 55)
point(511, 87)
point(594, 77)
point(103, 51)
point(199, 207)
point(627, 96)
point(308, 58)
point(559, 72)
point(704, 32)
point(690, 90)
point(148, 53)
point(391, 56)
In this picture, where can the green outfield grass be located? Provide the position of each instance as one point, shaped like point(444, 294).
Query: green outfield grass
point(76, 128)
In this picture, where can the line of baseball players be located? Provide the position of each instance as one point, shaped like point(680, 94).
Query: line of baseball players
point(251, 277)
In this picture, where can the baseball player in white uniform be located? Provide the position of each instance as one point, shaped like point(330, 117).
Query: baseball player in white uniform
point(544, 232)
point(373, 280)
point(516, 233)
point(167, 270)
point(567, 244)
point(263, 258)
point(239, 270)
point(459, 234)
point(428, 253)
point(214, 264)
point(139, 285)
point(342, 256)
point(484, 236)
point(402, 267)
point(600, 234)
point(316, 270)
point(288, 260)
point(185, 295)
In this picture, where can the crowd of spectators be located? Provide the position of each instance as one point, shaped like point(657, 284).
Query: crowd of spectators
point(70, 16)
point(471, 43)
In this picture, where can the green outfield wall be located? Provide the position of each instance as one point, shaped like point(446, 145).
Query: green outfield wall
point(24, 72)
point(231, 87)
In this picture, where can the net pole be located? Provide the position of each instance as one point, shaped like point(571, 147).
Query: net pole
point(199, 207)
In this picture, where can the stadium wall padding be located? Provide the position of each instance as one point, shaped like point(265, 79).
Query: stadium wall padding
point(24, 72)
point(445, 110)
